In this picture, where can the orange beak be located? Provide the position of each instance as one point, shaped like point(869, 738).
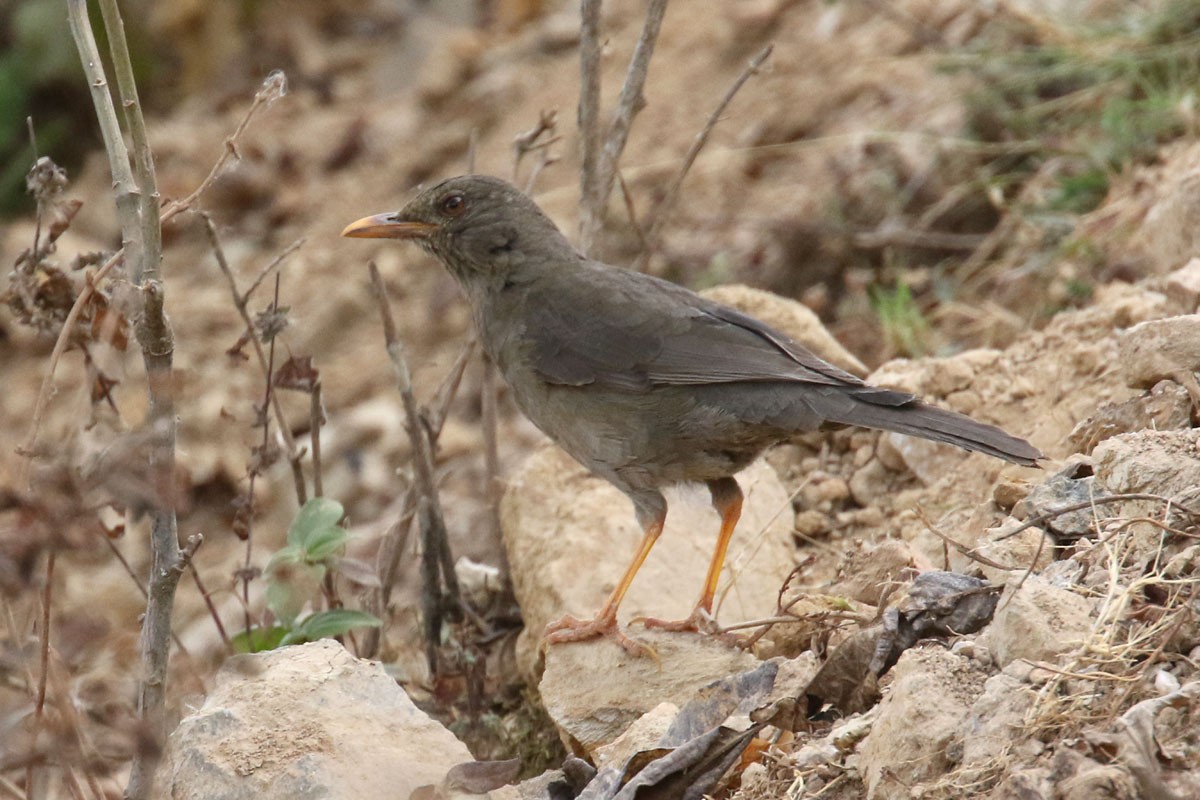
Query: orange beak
point(387, 226)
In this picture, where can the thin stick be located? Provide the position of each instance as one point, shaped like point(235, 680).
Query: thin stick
point(274, 87)
point(663, 209)
point(387, 560)
point(1097, 501)
point(630, 102)
point(633, 220)
point(316, 416)
point(124, 562)
point(428, 508)
point(208, 602)
point(491, 450)
point(588, 114)
point(240, 301)
point(147, 267)
point(137, 211)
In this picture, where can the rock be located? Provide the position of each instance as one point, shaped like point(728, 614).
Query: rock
point(926, 459)
point(306, 721)
point(787, 316)
point(1159, 462)
point(643, 734)
point(1183, 285)
point(594, 691)
point(876, 570)
point(1025, 784)
point(1101, 782)
point(869, 482)
point(1158, 349)
point(1082, 778)
point(570, 535)
point(938, 377)
point(1036, 622)
point(995, 722)
point(1070, 486)
point(932, 691)
point(1167, 407)
point(1014, 553)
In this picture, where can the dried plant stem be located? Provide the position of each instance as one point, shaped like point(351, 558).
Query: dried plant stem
point(387, 560)
point(598, 172)
point(663, 209)
point(273, 87)
point(150, 238)
point(488, 392)
point(429, 510)
point(241, 303)
point(588, 113)
point(316, 420)
point(137, 209)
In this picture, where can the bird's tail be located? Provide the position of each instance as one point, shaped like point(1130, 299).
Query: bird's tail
point(915, 418)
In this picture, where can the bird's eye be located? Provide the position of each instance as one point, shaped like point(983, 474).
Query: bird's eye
point(453, 205)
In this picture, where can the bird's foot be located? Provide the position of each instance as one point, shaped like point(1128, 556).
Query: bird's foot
point(572, 629)
point(700, 621)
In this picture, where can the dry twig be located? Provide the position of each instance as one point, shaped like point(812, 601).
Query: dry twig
point(436, 556)
point(664, 208)
point(599, 167)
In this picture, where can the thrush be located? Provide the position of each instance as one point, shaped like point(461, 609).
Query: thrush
point(644, 382)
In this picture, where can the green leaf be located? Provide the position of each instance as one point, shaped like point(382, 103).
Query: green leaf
point(333, 622)
point(257, 640)
point(290, 587)
point(316, 516)
point(324, 543)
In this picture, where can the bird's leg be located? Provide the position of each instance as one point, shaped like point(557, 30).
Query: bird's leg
point(571, 629)
point(727, 500)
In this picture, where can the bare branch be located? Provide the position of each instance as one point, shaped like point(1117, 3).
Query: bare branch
point(429, 509)
point(630, 102)
point(240, 301)
point(147, 267)
point(664, 208)
point(588, 114)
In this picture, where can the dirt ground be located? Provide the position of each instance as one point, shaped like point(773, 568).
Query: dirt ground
point(867, 172)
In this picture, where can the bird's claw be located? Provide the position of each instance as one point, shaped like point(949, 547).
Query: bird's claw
point(699, 621)
point(572, 629)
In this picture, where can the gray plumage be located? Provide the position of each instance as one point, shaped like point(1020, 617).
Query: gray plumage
point(644, 382)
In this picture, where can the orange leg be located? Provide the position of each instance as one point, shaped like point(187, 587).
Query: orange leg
point(727, 499)
point(570, 629)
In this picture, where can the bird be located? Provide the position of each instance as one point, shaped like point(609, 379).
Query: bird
point(642, 381)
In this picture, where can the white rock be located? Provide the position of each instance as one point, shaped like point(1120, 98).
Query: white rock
point(570, 536)
point(932, 691)
point(306, 721)
point(1036, 622)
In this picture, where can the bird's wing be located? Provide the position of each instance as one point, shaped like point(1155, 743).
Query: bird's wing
point(631, 331)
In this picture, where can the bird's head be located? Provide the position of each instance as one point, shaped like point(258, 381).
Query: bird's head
point(485, 230)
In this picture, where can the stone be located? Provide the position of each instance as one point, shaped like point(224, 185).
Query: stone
point(1036, 622)
point(595, 691)
point(307, 721)
point(1158, 349)
point(932, 691)
point(570, 535)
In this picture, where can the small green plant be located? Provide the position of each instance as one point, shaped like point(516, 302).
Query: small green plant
point(904, 325)
point(295, 577)
point(1099, 98)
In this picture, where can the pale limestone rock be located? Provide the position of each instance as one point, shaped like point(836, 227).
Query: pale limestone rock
point(307, 721)
point(1158, 349)
point(1037, 622)
point(932, 691)
point(594, 691)
point(570, 535)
